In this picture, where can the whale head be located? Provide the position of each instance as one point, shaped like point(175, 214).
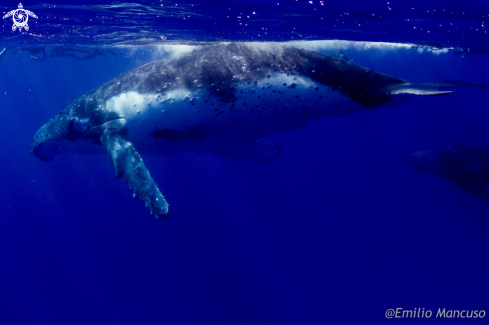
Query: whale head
point(62, 133)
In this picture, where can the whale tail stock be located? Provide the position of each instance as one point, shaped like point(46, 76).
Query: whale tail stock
point(128, 164)
point(430, 89)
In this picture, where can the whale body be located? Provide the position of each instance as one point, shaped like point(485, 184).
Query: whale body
point(464, 166)
point(219, 98)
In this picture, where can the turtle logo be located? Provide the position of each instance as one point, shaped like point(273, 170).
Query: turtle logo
point(20, 17)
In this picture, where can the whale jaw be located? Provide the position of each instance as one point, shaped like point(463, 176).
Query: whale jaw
point(63, 134)
point(49, 136)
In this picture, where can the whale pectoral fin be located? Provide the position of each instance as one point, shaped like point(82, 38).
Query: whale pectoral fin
point(431, 89)
point(128, 164)
point(252, 151)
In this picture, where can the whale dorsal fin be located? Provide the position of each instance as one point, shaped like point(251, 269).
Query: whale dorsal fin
point(128, 164)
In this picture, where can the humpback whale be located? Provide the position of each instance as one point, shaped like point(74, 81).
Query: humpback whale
point(465, 166)
point(220, 98)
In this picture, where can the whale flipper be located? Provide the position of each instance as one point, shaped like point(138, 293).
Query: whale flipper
point(252, 151)
point(128, 164)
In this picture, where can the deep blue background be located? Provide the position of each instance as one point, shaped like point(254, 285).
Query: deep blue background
point(336, 231)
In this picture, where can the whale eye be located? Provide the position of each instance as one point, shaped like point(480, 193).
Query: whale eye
point(80, 125)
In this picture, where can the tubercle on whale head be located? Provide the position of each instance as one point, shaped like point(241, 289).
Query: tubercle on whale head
point(56, 134)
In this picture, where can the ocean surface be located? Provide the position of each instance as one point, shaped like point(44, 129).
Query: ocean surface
point(337, 230)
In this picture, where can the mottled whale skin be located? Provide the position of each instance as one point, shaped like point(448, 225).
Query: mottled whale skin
point(465, 166)
point(219, 98)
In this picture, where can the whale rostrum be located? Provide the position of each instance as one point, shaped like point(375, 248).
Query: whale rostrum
point(221, 98)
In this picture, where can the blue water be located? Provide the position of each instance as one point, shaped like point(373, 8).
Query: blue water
point(336, 231)
point(83, 22)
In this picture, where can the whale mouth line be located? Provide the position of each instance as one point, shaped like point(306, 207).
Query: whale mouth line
point(61, 133)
